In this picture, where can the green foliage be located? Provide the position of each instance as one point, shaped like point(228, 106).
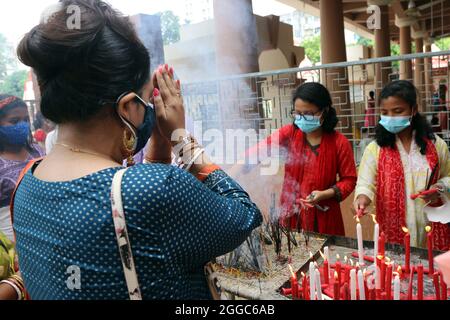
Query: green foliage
point(14, 83)
point(170, 27)
point(365, 42)
point(443, 44)
point(312, 49)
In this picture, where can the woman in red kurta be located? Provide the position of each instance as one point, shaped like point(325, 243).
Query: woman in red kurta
point(320, 167)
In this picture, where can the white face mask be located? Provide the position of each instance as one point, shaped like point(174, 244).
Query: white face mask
point(439, 214)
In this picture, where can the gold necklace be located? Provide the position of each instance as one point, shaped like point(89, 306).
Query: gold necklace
point(78, 150)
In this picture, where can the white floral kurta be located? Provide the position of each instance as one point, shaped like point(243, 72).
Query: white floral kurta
point(416, 169)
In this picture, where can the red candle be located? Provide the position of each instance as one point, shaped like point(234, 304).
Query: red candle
point(437, 287)
point(444, 293)
point(381, 243)
point(337, 290)
point(420, 282)
point(294, 283)
point(430, 250)
point(382, 274)
point(305, 287)
point(338, 270)
point(410, 287)
point(326, 272)
point(345, 292)
point(389, 281)
point(407, 249)
point(347, 274)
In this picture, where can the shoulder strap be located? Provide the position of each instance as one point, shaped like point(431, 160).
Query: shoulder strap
point(21, 176)
point(123, 241)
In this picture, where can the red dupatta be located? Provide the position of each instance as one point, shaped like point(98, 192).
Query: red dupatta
point(391, 197)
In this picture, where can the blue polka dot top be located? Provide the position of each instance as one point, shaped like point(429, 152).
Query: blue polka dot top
point(176, 225)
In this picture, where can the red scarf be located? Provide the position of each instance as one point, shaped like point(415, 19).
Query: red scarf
point(391, 197)
point(326, 175)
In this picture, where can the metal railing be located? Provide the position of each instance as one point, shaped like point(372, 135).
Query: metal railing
point(263, 101)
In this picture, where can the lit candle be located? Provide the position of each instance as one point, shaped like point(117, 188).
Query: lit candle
point(353, 284)
point(294, 284)
point(326, 272)
point(420, 282)
point(360, 242)
point(382, 272)
point(336, 287)
point(312, 287)
point(397, 288)
point(389, 281)
point(318, 285)
point(407, 249)
point(376, 236)
point(437, 287)
point(381, 244)
point(362, 293)
point(430, 250)
point(366, 288)
point(326, 252)
point(377, 277)
point(305, 286)
point(411, 283)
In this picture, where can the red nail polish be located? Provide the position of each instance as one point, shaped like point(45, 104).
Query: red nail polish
point(171, 71)
point(179, 83)
point(155, 92)
point(160, 70)
point(167, 67)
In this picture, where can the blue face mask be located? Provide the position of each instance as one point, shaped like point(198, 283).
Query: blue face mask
point(16, 135)
point(395, 124)
point(307, 126)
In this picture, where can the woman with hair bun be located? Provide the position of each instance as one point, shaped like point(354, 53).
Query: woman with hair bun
point(316, 155)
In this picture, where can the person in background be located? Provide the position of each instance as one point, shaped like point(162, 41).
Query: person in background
point(16, 149)
point(406, 159)
point(316, 155)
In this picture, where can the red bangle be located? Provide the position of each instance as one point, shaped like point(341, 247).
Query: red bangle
point(206, 171)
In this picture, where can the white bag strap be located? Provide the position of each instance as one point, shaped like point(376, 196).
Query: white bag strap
point(123, 241)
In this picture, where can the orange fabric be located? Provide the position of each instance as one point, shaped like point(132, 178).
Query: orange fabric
point(391, 197)
point(206, 171)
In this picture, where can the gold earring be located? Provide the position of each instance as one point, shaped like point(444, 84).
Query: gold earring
point(128, 144)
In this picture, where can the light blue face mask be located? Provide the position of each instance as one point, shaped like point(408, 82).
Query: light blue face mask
point(395, 124)
point(308, 126)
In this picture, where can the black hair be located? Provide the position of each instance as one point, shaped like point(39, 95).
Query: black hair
point(406, 91)
point(317, 94)
point(82, 70)
point(372, 94)
point(14, 104)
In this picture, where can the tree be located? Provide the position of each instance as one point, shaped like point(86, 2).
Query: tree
point(443, 44)
point(312, 49)
point(14, 83)
point(6, 57)
point(365, 42)
point(170, 27)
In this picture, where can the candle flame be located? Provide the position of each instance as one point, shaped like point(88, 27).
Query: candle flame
point(338, 257)
point(399, 269)
point(358, 220)
point(380, 257)
point(336, 276)
point(311, 255)
point(351, 262)
point(345, 259)
point(405, 230)
point(303, 274)
point(374, 218)
point(427, 229)
point(292, 272)
point(388, 260)
point(322, 255)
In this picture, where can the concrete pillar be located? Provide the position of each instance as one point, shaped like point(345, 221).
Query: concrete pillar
point(405, 48)
point(419, 79)
point(334, 50)
point(236, 37)
point(428, 76)
point(382, 45)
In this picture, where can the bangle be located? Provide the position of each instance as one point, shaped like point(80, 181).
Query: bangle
point(16, 288)
point(194, 158)
point(206, 171)
point(180, 146)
